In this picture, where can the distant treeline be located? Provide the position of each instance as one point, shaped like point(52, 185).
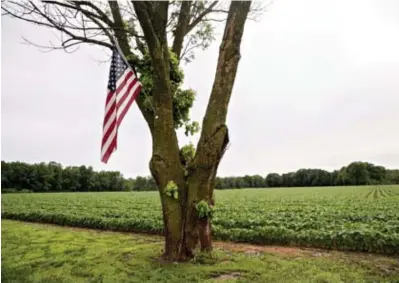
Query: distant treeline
point(52, 177)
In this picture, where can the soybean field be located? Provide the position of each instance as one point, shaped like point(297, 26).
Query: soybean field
point(357, 218)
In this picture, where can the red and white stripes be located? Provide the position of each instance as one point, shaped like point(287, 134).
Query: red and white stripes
point(117, 104)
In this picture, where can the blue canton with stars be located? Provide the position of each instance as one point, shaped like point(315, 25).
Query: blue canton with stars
point(118, 67)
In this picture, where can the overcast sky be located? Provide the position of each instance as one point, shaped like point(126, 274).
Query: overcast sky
point(317, 87)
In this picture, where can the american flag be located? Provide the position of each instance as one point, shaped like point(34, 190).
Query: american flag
point(123, 88)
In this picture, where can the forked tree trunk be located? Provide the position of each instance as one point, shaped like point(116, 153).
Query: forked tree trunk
point(183, 228)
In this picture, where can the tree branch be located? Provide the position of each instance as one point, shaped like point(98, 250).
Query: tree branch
point(153, 21)
point(196, 21)
point(215, 118)
point(66, 31)
point(52, 47)
point(181, 28)
point(189, 48)
point(146, 24)
point(138, 39)
point(77, 6)
point(60, 21)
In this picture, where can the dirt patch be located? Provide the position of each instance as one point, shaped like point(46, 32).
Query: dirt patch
point(161, 261)
point(228, 276)
point(320, 253)
point(257, 250)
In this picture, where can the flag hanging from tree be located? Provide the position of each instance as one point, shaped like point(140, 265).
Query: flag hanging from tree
point(123, 88)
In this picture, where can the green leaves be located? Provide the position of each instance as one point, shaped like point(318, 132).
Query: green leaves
point(204, 209)
point(192, 128)
point(202, 38)
point(183, 99)
point(187, 153)
point(172, 190)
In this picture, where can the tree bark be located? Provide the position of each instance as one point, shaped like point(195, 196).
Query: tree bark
point(165, 162)
point(181, 28)
point(214, 137)
point(184, 230)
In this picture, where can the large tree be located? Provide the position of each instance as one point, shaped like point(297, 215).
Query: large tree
point(155, 37)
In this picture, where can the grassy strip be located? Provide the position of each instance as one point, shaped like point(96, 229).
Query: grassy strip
point(362, 240)
point(38, 253)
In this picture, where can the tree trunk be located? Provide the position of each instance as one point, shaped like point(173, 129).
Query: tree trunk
point(214, 137)
point(165, 166)
point(183, 228)
point(205, 234)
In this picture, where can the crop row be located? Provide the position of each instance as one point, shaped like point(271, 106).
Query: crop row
point(333, 218)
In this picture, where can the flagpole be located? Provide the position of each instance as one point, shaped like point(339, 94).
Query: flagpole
point(123, 56)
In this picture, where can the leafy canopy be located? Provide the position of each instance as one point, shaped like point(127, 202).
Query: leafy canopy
point(183, 99)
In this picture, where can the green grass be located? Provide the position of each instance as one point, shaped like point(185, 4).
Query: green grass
point(43, 253)
point(364, 218)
